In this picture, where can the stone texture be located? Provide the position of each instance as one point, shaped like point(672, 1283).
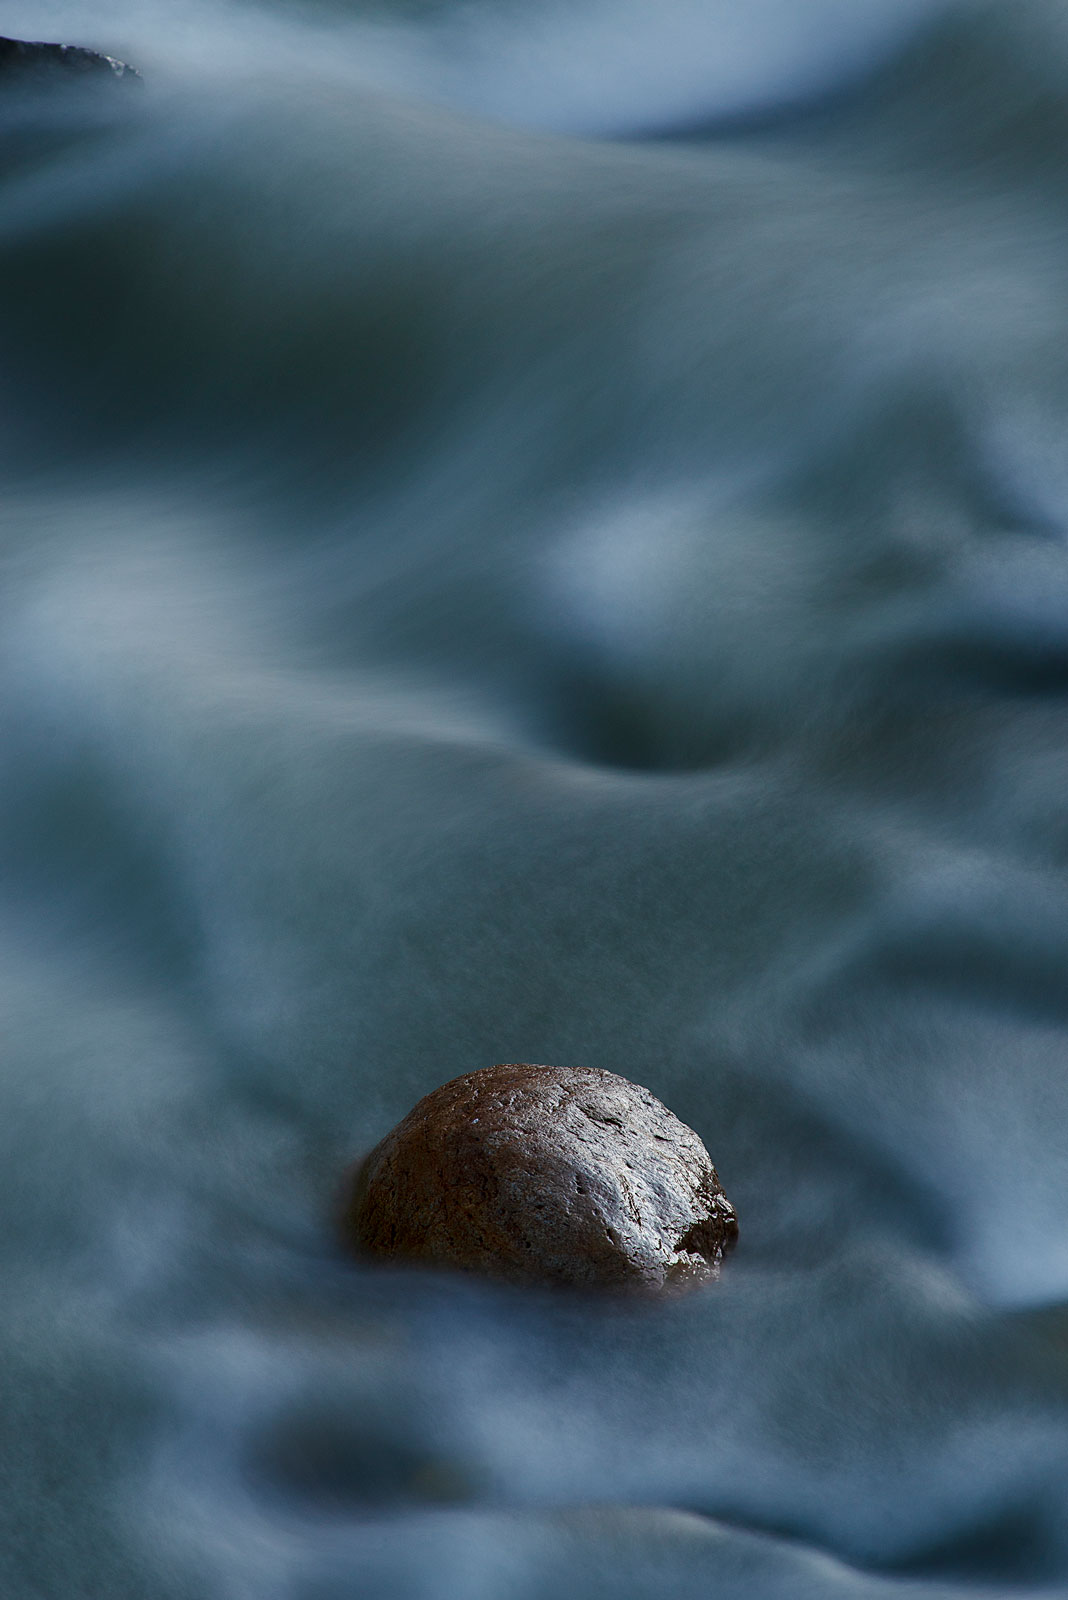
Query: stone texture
point(537, 1174)
point(22, 58)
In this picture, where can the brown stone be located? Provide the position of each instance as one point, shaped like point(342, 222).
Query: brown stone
point(552, 1175)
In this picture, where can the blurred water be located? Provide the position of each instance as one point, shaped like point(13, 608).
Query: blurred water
point(535, 533)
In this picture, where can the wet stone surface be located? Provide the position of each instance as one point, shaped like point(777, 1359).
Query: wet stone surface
point(544, 1175)
point(22, 59)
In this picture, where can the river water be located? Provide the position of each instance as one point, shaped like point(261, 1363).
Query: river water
point(535, 533)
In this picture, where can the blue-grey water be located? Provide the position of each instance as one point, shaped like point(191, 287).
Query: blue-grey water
point(535, 532)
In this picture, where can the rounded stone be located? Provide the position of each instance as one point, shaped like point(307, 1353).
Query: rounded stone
point(25, 58)
point(544, 1175)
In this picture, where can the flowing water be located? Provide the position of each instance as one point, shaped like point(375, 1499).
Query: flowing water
point(535, 532)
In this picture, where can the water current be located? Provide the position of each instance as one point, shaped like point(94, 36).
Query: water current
point(535, 533)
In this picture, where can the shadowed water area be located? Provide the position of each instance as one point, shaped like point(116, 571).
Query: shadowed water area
point(534, 534)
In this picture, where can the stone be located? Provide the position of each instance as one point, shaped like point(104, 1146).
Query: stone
point(544, 1175)
point(22, 59)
